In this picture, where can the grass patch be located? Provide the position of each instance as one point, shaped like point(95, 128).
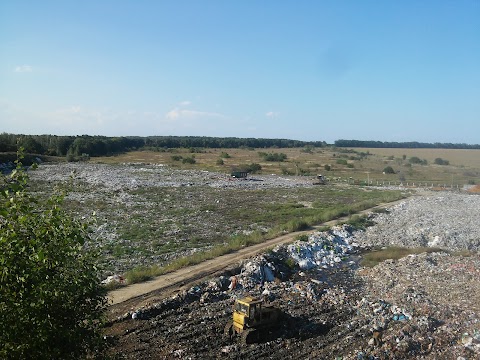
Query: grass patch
point(141, 274)
point(240, 241)
point(360, 222)
point(463, 253)
point(303, 237)
point(393, 252)
point(381, 210)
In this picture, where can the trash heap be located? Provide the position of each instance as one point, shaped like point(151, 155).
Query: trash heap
point(323, 249)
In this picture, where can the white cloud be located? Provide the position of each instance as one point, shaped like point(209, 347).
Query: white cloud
point(185, 103)
point(23, 68)
point(177, 113)
point(173, 114)
point(272, 114)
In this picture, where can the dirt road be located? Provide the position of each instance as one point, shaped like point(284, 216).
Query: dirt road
point(168, 284)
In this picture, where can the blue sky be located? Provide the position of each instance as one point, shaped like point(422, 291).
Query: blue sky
point(307, 70)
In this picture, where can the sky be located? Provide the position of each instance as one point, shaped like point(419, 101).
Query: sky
point(312, 70)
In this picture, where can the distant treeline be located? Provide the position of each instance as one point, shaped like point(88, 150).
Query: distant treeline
point(76, 146)
point(402, 145)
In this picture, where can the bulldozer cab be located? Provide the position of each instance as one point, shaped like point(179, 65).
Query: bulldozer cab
point(252, 319)
point(247, 311)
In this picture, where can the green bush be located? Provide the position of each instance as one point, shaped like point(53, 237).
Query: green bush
point(225, 155)
point(253, 168)
point(176, 157)
point(327, 167)
point(189, 160)
point(51, 300)
point(308, 149)
point(417, 160)
point(303, 237)
point(220, 162)
point(278, 157)
point(388, 170)
point(360, 221)
point(440, 161)
point(342, 161)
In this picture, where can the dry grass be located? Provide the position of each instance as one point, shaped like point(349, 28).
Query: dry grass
point(456, 157)
point(394, 252)
point(475, 189)
point(464, 165)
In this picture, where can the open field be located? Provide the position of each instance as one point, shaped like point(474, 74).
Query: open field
point(154, 209)
point(149, 215)
point(457, 157)
point(358, 164)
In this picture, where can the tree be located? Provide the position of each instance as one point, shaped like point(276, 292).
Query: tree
point(51, 299)
point(30, 145)
point(388, 170)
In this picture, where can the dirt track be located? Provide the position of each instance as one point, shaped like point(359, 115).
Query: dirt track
point(137, 295)
point(419, 307)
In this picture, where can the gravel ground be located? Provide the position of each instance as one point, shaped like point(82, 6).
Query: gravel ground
point(148, 214)
point(115, 178)
point(447, 220)
point(424, 306)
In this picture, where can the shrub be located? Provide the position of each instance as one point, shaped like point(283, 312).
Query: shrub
point(342, 161)
point(307, 149)
point(225, 155)
point(279, 157)
point(176, 157)
point(416, 160)
point(360, 222)
point(327, 167)
point(189, 160)
point(302, 237)
point(220, 162)
point(285, 171)
point(253, 168)
point(440, 161)
point(51, 300)
point(70, 157)
point(388, 170)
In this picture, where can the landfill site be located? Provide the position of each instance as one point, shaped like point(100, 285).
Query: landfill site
point(421, 306)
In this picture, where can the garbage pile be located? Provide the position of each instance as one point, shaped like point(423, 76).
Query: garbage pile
point(424, 306)
point(323, 249)
point(446, 220)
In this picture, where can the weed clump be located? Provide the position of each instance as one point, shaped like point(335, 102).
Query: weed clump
point(394, 253)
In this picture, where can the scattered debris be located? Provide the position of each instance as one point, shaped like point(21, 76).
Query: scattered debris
point(422, 306)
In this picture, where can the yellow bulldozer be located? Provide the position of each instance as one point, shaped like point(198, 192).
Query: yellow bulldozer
point(252, 320)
